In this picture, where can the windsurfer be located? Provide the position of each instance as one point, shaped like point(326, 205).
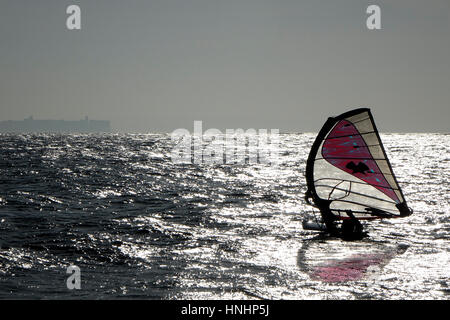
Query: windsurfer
point(351, 228)
point(330, 221)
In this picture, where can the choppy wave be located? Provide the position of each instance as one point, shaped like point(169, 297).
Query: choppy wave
point(139, 226)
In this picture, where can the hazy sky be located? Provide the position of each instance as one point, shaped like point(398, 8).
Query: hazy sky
point(158, 65)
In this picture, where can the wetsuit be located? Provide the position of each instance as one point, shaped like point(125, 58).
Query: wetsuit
point(330, 221)
point(351, 229)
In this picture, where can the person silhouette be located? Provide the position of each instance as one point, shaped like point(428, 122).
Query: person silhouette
point(351, 228)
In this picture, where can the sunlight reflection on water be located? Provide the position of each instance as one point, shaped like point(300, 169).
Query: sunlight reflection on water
point(116, 205)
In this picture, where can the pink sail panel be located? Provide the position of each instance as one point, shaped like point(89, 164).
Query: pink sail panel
point(345, 149)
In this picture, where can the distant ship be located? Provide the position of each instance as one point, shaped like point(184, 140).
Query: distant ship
point(31, 125)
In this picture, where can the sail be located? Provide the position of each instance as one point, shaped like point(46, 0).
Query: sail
point(347, 169)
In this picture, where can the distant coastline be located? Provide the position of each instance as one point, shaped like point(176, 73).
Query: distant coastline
point(31, 125)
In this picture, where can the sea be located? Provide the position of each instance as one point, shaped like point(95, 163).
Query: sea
point(111, 216)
